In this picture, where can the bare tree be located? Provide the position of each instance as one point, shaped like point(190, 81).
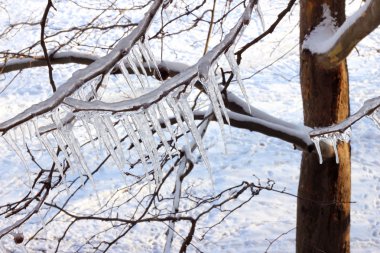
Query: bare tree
point(151, 132)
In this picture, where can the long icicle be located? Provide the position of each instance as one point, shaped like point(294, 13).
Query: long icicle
point(61, 144)
point(111, 129)
point(106, 141)
point(125, 73)
point(151, 113)
point(177, 114)
point(236, 71)
point(187, 113)
point(18, 151)
point(165, 117)
point(78, 154)
point(55, 159)
point(142, 126)
point(135, 140)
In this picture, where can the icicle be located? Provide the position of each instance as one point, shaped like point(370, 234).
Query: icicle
point(111, 129)
point(345, 136)
point(214, 85)
point(187, 113)
point(135, 140)
point(136, 71)
point(125, 73)
point(145, 54)
point(236, 71)
point(88, 131)
point(211, 92)
point(128, 125)
point(334, 144)
point(76, 151)
point(55, 159)
point(142, 126)
point(176, 111)
point(141, 64)
point(61, 144)
point(165, 117)
point(102, 133)
point(146, 47)
point(316, 141)
point(18, 151)
point(152, 114)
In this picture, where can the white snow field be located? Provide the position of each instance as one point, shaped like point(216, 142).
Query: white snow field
point(270, 74)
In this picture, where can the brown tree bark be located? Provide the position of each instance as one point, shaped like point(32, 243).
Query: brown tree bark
point(323, 212)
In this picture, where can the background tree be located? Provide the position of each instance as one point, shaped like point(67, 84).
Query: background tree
point(149, 133)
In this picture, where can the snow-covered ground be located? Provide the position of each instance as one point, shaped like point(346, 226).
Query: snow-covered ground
point(272, 82)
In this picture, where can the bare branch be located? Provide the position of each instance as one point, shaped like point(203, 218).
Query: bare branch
point(280, 16)
point(43, 45)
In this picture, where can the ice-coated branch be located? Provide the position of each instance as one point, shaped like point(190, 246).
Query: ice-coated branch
point(331, 52)
point(80, 77)
point(367, 109)
point(200, 69)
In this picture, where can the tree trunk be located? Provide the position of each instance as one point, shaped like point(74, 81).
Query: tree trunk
point(323, 212)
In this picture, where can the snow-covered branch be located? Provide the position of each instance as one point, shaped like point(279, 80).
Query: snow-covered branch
point(80, 77)
point(40, 61)
point(368, 108)
point(200, 69)
point(298, 136)
point(334, 48)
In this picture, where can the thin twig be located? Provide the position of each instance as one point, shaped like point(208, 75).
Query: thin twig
point(47, 57)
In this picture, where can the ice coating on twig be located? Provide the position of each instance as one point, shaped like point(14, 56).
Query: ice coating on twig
point(188, 115)
point(375, 117)
point(260, 14)
point(236, 71)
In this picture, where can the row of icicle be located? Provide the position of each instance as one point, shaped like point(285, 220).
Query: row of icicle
point(332, 139)
point(140, 126)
